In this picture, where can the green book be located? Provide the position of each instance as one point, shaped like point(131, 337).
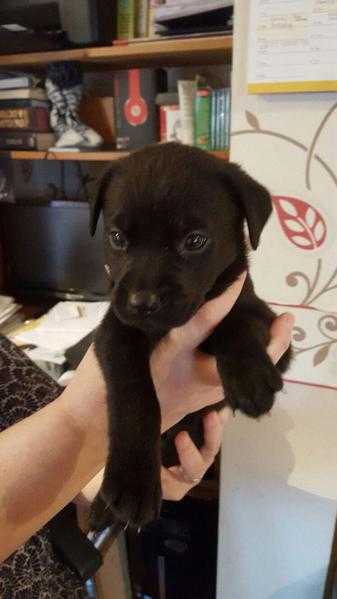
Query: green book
point(202, 118)
point(125, 19)
point(213, 119)
point(217, 120)
point(227, 116)
point(222, 109)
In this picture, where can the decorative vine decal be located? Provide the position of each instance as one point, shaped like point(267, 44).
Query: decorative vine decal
point(327, 326)
point(302, 223)
point(312, 292)
point(252, 120)
point(257, 130)
point(314, 143)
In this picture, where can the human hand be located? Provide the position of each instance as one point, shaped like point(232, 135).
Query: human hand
point(177, 481)
point(186, 379)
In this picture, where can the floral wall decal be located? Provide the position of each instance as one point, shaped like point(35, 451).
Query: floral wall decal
point(327, 327)
point(302, 224)
point(306, 226)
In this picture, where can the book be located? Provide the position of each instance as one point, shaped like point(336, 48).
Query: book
point(227, 117)
point(24, 140)
point(19, 80)
point(26, 93)
point(221, 119)
point(126, 19)
point(25, 118)
point(182, 9)
point(202, 118)
point(153, 5)
point(24, 103)
point(170, 123)
point(213, 119)
point(217, 145)
point(186, 92)
point(142, 18)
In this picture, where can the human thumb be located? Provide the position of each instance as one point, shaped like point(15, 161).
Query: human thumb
point(199, 327)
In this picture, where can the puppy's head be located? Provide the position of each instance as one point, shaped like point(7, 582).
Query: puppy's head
point(173, 221)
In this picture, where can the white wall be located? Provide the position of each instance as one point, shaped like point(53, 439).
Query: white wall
point(279, 475)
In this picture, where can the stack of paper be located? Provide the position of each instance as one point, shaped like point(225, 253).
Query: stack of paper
point(63, 326)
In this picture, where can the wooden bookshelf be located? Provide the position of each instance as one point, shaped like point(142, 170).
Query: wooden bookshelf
point(83, 156)
point(184, 51)
point(201, 50)
point(80, 156)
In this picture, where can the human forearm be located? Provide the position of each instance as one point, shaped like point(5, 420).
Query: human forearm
point(45, 460)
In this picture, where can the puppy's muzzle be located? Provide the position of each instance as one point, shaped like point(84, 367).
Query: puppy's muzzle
point(143, 302)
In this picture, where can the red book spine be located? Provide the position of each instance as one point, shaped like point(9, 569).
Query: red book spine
point(163, 123)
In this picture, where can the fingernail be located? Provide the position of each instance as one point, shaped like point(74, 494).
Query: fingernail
point(212, 418)
point(184, 439)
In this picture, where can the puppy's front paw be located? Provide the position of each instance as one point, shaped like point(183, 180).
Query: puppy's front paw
point(250, 382)
point(133, 499)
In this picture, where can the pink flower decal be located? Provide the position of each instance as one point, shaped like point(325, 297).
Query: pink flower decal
point(302, 224)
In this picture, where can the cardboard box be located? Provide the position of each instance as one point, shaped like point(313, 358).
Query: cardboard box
point(136, 118)
point(98, 113)
point(170, 123)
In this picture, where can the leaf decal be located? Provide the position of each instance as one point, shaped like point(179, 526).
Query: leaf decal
point(301, 223)
point(310, 217)
point(252, 120)
point(319, 231)
point(301, 241)
point(321, 355)
point(294, 225)
point(288, 207)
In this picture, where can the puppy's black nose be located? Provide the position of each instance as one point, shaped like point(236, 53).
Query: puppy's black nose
point(143, 301)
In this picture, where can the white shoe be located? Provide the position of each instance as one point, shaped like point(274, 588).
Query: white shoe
point(86, 139)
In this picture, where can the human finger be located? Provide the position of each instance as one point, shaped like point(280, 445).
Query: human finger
point(199, 327)
point(213, 429)
point(280, 336)
point(191, 467)
point(173, 488)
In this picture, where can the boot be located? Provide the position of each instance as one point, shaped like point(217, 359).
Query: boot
point(64, 86)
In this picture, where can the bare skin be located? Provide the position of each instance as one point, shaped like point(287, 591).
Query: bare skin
point(49, 457)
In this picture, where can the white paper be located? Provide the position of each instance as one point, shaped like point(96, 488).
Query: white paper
point(64, 325)
point(292, 40)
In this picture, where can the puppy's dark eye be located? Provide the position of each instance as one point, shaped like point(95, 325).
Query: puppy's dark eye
point(195, 242)
point(118, 240)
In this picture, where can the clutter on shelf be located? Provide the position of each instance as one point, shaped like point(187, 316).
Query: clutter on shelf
point(64, 86)
point(47, 339)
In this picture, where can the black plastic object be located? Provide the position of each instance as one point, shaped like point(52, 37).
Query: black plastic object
point(48, 251)
point(72, 546)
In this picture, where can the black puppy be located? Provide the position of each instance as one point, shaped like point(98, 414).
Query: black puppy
point(174, 238)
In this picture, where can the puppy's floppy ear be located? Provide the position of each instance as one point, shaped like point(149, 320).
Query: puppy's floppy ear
point(252, 198)
point(97, 196)
point(98, 191)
